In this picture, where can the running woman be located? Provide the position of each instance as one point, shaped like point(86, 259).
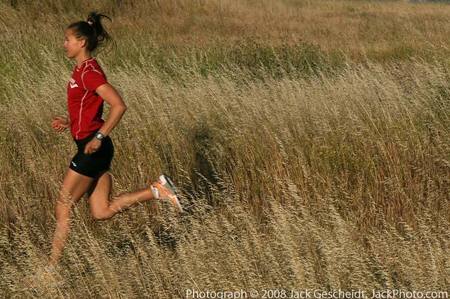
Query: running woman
point(88, 170)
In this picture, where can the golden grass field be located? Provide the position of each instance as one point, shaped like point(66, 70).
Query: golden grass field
point(310, 140)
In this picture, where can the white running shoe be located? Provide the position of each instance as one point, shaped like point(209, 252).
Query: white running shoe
point(165, 189)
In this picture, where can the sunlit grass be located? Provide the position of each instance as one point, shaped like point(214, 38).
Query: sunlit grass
point(302, 165)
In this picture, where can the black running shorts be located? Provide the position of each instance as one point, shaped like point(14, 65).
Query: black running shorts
point(93, 165)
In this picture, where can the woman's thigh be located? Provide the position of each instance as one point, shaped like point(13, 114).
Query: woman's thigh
point(74, 186)
point(99, 193)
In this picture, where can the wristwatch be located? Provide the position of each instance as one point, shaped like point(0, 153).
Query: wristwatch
point(99, 136)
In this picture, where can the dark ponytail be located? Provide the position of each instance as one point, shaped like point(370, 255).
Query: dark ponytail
point(92, 30)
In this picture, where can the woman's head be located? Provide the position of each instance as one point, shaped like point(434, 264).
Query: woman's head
point(85, 35)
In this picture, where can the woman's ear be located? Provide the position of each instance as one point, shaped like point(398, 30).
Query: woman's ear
point(83, 42)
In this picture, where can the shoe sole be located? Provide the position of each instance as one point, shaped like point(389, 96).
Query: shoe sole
point(165, 180)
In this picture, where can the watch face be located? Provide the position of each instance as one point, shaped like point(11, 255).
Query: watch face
point(99, 136)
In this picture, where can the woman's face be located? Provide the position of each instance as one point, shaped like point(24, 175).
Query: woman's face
point(72, 45)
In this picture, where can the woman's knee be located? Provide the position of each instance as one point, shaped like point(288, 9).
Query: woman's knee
point(63, 205)
point(101, 215)
point(65, 198)
point(62, 211)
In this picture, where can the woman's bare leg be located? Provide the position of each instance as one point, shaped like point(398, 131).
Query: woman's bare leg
point(73, 188)
point(102, 209)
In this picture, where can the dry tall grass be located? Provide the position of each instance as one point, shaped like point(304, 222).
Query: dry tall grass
point(299, 170)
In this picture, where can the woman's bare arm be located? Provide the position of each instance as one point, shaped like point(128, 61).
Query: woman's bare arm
point(118, 107)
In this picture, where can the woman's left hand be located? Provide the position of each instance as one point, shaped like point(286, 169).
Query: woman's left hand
point(92, 146)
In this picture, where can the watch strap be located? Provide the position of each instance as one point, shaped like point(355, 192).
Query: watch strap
point(99, 135)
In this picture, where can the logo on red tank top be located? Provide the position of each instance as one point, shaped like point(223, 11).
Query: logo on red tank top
point(72, 83)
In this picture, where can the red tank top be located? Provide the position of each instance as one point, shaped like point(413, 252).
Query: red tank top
point(84, 104)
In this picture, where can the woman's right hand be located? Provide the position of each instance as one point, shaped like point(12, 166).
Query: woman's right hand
point(60, 123)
